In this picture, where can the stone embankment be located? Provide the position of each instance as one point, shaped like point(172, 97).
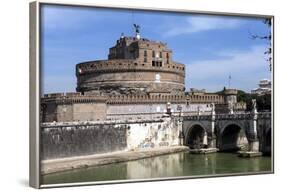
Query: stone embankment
point(64, 164)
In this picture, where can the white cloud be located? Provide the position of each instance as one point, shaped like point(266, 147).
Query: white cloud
point(202, 23)
point(246, 69)
point(58, 17)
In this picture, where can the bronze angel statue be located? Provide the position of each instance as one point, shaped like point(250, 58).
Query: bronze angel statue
point(137, 28)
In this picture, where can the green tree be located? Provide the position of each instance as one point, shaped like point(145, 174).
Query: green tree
point(267, 37)
point(263, 101)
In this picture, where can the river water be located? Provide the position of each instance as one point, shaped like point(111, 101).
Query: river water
point(173, 165)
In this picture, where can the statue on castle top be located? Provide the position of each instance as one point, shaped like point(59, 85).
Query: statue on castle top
point(137, 28)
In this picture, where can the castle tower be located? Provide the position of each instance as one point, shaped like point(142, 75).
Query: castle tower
point(230, 96)
point(135, 65)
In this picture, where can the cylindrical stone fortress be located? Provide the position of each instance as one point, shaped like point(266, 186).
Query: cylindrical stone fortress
point(135, 66)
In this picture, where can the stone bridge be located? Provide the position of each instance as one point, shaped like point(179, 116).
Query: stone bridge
point(229, 132)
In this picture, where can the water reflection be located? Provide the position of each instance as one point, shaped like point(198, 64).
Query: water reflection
point(162, 166)
point(180, 164)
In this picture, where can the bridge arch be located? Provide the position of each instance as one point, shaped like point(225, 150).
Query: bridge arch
point(196, 136)
point(232, 137)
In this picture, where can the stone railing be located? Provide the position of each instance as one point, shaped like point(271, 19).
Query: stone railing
point(264, 115)
point(235, 116)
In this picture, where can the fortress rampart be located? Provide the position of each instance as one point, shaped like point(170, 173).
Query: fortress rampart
point(129, 77)
point(123, 65)
point(92, 106)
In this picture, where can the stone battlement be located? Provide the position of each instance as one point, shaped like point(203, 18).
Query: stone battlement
point(120, 99)
point(67, 98)
point(206, 98)
point(126, 65)
point(134, 98)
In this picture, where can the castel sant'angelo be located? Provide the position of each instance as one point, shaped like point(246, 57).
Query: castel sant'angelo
point(138, 80)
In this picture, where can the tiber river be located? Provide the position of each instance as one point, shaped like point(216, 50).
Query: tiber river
point(173, 165)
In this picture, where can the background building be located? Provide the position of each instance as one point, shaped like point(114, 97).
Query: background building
point(264, 87)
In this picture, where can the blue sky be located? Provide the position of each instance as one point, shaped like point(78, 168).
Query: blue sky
point(212, 47)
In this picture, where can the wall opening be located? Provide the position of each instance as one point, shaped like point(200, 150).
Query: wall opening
point(195, 138)
point(233, 138)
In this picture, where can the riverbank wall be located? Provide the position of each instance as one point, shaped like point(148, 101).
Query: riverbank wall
point(72, 139)
point(64, 164)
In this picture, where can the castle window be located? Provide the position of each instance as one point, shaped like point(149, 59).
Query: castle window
point(145, 60)
point(157, 55)
point(145, 53)
point(153, 63)
point(167, 55)
point(153, 53)
point(160, 64)
point(160, 55)
point(157, 78)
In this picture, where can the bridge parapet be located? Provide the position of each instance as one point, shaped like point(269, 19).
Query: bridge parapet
point(240, 116)
point(197, 117)
point(234, 116)
point(264, 115)
point(244, 116)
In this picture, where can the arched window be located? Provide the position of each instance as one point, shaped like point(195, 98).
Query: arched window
point(153, 53)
